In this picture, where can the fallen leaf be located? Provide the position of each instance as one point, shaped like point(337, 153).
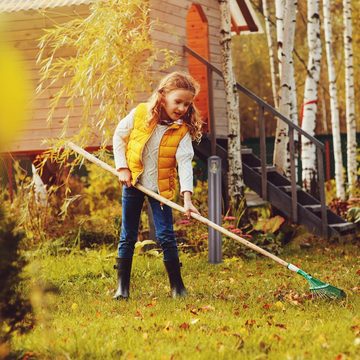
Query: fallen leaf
point(184, 326)
point(207, 308)
point(279, 305)
point(356, 329)
point(229, 218)
point(264, 347)
point(250, 322)
point(138, 314)
point(194, 311)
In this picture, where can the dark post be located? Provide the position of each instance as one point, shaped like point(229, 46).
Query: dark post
point(263, 153)
point(214, 205)
point(320, 162)
point(211, 111)
point(294, 212)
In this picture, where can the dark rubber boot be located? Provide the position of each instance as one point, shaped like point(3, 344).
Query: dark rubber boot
point(176, 283)
point(123, 267)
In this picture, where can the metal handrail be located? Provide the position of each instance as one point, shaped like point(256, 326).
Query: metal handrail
point(257, 99)
point(262, 107)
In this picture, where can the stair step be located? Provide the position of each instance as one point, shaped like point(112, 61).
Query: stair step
point(314, 208)
point(269, 168)
point(246, 151)
point(342, 227)
point(254, 200)
point(287, 188)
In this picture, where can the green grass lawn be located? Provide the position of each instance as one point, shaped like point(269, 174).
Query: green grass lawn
point(239, 309)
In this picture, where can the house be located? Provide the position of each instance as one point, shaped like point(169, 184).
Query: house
point(180, 23)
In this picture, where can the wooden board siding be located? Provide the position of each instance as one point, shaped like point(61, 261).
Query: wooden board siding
point(24, 28)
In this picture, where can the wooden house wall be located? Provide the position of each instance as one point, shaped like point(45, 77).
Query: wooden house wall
point(24, 28)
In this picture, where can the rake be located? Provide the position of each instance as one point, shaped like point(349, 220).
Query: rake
point(317, 287)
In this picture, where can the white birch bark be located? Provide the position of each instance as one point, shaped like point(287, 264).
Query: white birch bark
point(334, 107)
point(279, 13)
point(236, 184)
point(308, 154)
point(350, 96)
point(281, 152)
point(294, 108)
point(268, 27)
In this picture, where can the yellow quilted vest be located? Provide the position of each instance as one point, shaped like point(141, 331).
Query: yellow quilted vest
point(169, 143)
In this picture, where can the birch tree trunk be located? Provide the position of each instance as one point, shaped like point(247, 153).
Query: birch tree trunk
point(279, 13)
point(311, 94)
point(287, 88)
point(294, 118)
point(236, 184)
point(350, 96)
point(268, 27)
point(294, 108)
point(334, 107)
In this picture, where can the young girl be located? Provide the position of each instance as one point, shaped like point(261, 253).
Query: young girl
point(148, 143)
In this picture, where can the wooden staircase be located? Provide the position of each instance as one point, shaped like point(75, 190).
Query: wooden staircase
point(282, 192)
point(279, 193)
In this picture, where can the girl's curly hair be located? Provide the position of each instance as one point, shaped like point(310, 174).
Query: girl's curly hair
point(174, 81)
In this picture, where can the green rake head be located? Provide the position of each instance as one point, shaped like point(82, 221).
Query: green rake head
point(319, 288)
point(324, 290)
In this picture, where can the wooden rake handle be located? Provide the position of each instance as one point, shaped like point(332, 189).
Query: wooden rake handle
point(175, 206)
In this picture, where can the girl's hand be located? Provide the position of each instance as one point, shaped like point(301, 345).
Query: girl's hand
point(124, 176)
point(189, 208)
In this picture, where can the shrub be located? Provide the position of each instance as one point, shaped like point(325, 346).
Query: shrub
point(15, 308)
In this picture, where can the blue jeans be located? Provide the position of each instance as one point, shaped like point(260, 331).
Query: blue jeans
point(132, 202)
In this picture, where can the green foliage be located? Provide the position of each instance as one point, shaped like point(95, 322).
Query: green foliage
point(101, 196)
point(192, 235)
point(262, 229)
point(347, 209)
point(263, 232)
point(113, 55)
point(88, 218)
point(270, 225)
point(146, 247)
point(354, 215)
point(15, 308)
point(31, 216)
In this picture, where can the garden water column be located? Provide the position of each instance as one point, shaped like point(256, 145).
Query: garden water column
point(214, 206)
